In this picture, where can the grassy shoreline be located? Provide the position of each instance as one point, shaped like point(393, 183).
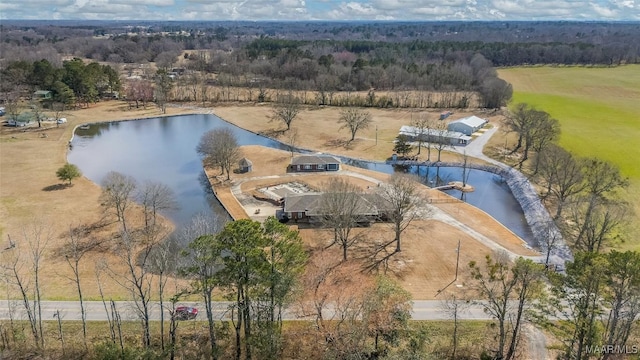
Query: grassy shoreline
point(598, 111)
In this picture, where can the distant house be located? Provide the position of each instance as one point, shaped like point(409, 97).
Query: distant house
point(23, 119)
point(42, 95)
point(308, 208)
point(467, 125)
point(245, 165)
point(314, 163)
point(435, 135)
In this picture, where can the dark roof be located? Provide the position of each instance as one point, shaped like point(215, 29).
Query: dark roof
point(314, 159)
point(245, 162)
point(378, 201)
point(300, 203)
point(311, 203)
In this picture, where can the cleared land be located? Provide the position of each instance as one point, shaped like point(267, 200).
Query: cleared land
point(597, 108)
point(30, 190)
point(428, 260)
point(318, 129)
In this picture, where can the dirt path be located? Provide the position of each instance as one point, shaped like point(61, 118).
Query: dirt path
point(536, 343)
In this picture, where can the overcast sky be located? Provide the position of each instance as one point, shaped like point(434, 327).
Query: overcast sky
point(425, 10)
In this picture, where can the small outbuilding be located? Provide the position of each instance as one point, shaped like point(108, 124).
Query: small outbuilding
point(467, 125)
point(42, 95)
point(245, 165)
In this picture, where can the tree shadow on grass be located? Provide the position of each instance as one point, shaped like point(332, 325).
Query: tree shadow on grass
point(378, 257)
point(338, 143)
point(56, 187)
point(272, 133)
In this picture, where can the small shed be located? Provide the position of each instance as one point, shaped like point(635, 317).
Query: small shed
point(42, 95)
point(245, 165)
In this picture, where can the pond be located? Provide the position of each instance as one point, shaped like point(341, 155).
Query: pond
point(163, 149)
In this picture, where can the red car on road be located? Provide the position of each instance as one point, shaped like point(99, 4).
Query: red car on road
point(185, 313)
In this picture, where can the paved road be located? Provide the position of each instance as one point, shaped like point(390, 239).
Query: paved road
point(70, 310)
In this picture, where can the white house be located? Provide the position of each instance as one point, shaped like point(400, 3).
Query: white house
point(435, 135)
point(467, 125)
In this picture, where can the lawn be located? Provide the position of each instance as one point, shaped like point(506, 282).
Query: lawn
point(598, 109)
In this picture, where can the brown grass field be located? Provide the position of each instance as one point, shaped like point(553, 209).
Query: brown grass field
point(427, 262)
point(318, 129)
point(30, 192)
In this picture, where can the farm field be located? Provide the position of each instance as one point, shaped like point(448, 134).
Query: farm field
point(598, 109)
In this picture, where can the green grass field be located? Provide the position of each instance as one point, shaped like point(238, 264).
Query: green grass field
point(598, 109)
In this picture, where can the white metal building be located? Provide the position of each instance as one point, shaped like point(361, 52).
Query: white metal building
point(435, 135)
point(467, 125)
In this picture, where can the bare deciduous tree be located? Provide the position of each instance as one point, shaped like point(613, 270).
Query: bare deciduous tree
point(118, 190)
point(401, 202)
point(325, 281)
point(35, 238)
point(354, 119)
point(292, 140)
point(498, 282)
point(286, 109)
point(535, 129)
point(342, 207)
point(546, 131)
point(453, 306)
point(440, 136)
point(601, 180)
point(595, 222)
point(163, 261)
point(135, 256)
point(561, 174)
point(155, 197)
point(423, 125)
point(219, 148)
point(75, 248)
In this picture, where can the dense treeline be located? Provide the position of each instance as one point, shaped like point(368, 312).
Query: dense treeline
point(328, 57)
point(73, 83)
point(503, 43)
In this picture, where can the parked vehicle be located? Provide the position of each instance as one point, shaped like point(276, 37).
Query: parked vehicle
point(185, 313)
point(2, 111)
point(62, 120)
point(17, 123)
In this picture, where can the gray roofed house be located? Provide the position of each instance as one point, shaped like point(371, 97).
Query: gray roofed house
point(314, 163)
point(307, 207)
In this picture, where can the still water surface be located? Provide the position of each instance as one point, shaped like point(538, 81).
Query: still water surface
point(163, 149)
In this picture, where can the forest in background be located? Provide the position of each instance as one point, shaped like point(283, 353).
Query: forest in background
point(326, 57)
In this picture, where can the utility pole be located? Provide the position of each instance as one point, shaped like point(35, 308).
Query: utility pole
point(457, 260)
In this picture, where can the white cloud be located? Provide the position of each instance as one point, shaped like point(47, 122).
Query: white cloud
point(143, 2)
point(406, 10)
point(605, 12)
